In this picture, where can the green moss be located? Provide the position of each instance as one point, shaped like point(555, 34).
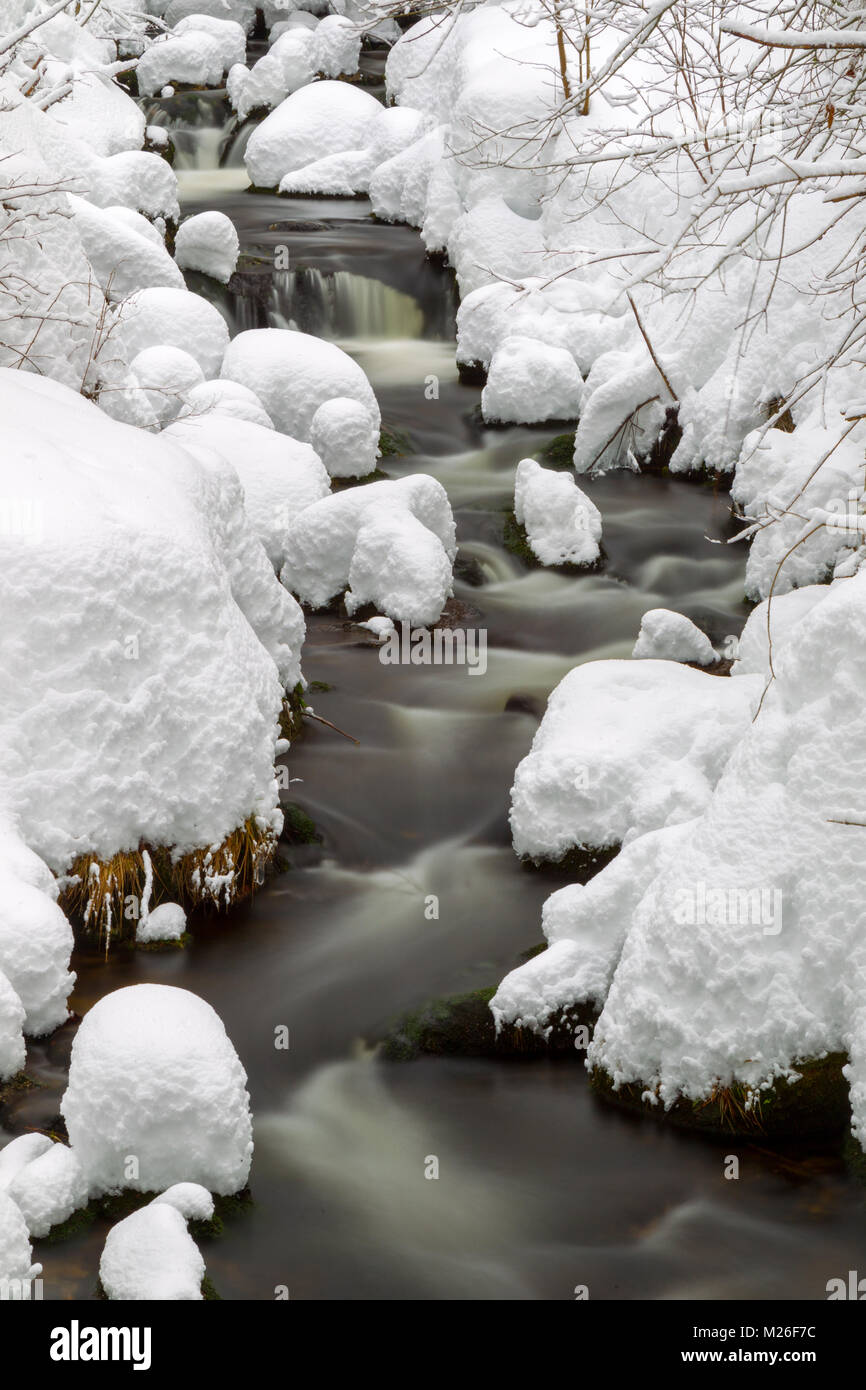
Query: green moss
point(208, 1291)
point(299, 828)
point(515, 539)
point(580, 861)
point(292, 716)
point(394, 443)
point(319, 686)
point(20, 1082)
point(816, 1105)
point(462, 1026)
point(558, 453)
point(343, 484)
point(179, 945)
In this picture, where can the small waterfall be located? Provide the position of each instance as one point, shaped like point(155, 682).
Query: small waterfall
point(341, 305)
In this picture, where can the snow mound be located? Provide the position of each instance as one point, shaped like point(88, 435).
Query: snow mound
point(673, 637)
point(531, 381)
point(12, 1049)
point(122, 259)
point(226, 398)
point(320, 119)
point(16, 1256)
point(149, 629)
point(280, 477)
point(365, 538)
point(208, 242)
point(167, 922)
point(344, 435)
point(49, 1188)
point(35, 947)
point(293, 374)
point(151, 1256)
point(289, 64)
point(241, 12)
point(193, 1201)
point(19, 1152)
point(563, 526)
point(153, 1075)
point(173, 318)
point(165, 376)
point(625, 747)
point(197, 52)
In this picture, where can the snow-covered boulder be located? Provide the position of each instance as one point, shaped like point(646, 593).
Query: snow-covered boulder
point(563, 526)
point(150, 1256)
point(123, 259)
point(289, 64)
point(320, 119)
point(16, 1255)
point(173, 318)
point(12, 1049)
point(785, 612)
point(165, 375)
point(226, 398)
point(154, 1075)
point(531, 381)
point(241, 12)
point(145, 627)
point(167, 922)
point(19, 1152)
point(280, 477)
point(49, 1188)
point(293, 374)
point(100, 113)
point(198, 51)
point(672, 636)
point(390, 543)
point(625, 747)
point(208, 242)
point(193, 1201)
point(345, 436)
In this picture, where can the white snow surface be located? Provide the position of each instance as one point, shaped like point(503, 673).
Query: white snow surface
point(198, 51)
point(173, 318)
point(208, 242)
point(345, 436)
point(625, 747)
point(49, 1188)
point(389, 543)
point(150, 1255)
point(12, 1048)
point(153, 1074)
point(531, 381)
point(226, 398)
point(563, 525)
point(673, 637)
point(321, 119)
point(16, 1255)
point(20, 1151)
point(166, 922)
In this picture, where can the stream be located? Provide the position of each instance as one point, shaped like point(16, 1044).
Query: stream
point(541, 1187)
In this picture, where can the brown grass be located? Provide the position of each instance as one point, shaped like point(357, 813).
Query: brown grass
point(218, 876)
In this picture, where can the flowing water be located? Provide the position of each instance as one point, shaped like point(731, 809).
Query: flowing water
point(541, 1187)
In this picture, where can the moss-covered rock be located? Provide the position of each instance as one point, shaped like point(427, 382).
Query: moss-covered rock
point(558, 452)
point(394, 443)
point(462, 1026)
point(298, 827)
point(815, 1106)
point(581, 862)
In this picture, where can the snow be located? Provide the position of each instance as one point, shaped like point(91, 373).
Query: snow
point(173, 318)
point(288, 65)
point(531, 381)
point(16, 1256)
point(625, 747)
point(193, 1201)
point(280, 477)
point(12, 1049)
point(226, 398)
point(673, 637)
point(198, 51)
point(345, 436)
point(20, 1151)
point(321, 119)
point(35, 941)
point(241, 12)
point(154, 1075)
point(122, 259)
point(167, 922)
point(49, 1188)
point(390, 543)
point(121, 575)
point(151, 1256)
point(165, 376)
point(100, 113)
point(208, 242)
point(563, 526)
point(266, 359)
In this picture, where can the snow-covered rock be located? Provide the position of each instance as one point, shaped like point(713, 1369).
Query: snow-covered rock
point(193, 1201)
point(208, 242)
point(123, 260)
point(625, 747)
point(345, 436)
point(173, 318)
point(167, 922)
point(165, 375)
point(293, 374)
point(49, 1188)
point(154, 1075)
point(241, 12)
point(12, 1049)
point(530, 381)
point(371, 539)
point(19, 1152)
point(226, 398)
point(289, 64)
point(150, 1256)
point(563, 526)
point(280, 477)
point(198, 51)
point(16, 1255)
point(148, 629)
point(35, 947)
point(673, 637)
point(320, 119)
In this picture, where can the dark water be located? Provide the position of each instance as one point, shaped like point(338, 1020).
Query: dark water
point(541, 1187)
